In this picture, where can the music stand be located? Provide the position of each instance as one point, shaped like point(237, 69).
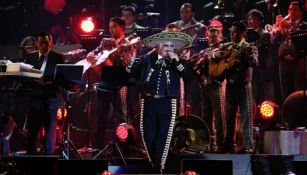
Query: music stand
point(112, 79)
point(67, 75)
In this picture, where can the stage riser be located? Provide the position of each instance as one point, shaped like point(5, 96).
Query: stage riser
point(285, 142)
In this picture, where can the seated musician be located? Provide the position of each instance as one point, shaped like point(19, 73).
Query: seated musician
point(123, 102)
point(47, 98)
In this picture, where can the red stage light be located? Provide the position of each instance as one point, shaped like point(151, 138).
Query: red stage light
point(106, 173)
point(87, 25)
point(122, 132)
point(267, 109)
point(190, 172)
point(61, 112)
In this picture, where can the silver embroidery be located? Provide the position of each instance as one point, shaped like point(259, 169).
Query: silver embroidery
point(142, 129)
point(170, 133)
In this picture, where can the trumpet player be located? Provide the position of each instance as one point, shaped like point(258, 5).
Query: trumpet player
point(290, 60)
point(212, 91)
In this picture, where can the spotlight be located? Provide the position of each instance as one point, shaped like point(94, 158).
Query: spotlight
point(267, 109)
point(122, 132)
point(106, 172)
point(126, 138)
point(87, 25)
point(268, 118)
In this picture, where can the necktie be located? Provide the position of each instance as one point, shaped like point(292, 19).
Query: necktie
point(40, 61)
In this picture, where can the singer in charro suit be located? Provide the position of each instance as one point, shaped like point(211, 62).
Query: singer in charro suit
point(46, 98)
point(159, 79)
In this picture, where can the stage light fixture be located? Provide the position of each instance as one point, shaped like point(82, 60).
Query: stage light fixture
point(268, 118)
point(106, 172)
point(87, 25)
point(127, 140)
point(122, 132)
point(190, 172)
point(267, 109)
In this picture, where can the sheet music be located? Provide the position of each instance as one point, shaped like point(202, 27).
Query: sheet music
point(20, 69)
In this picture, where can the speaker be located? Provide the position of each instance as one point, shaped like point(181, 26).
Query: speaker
point(207, 167)
point(88, 167)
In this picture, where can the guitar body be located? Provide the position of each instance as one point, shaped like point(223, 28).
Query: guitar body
point(93, 72)
point(217, 68)
point(102, 56)
point(221, 68)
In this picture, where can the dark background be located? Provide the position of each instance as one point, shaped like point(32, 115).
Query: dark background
point(20, 18)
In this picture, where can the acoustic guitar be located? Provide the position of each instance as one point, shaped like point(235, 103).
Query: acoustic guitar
point(228, 60)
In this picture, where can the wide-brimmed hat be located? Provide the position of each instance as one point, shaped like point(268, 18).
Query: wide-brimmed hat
point(179, 39)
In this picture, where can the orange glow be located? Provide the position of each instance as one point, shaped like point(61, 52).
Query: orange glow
point(60, 113)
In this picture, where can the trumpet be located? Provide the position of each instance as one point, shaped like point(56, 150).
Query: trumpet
point(280, 22)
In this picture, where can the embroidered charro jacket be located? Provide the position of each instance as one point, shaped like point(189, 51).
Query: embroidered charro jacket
point(160, 77)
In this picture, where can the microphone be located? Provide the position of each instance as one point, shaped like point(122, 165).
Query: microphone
point(287, 17)
point(171, 55)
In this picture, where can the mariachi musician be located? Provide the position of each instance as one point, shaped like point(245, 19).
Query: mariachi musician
point(290, 60)
point(239, 57)
point(111, 103)
point(187, 24)
point(212, 89)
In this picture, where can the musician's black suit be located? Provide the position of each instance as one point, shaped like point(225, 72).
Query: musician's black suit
point(44, 102)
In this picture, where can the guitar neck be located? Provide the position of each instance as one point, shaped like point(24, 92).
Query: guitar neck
point(113, 50)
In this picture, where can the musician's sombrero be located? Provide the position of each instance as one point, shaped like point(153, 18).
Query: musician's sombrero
point(180, 40)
